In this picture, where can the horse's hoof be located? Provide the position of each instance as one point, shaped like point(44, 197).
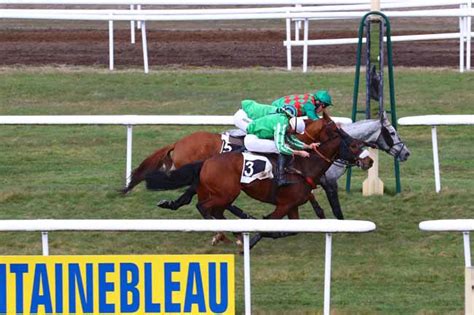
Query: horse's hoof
point(166, 204)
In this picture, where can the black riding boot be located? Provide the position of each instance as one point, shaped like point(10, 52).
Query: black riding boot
point(280, 173)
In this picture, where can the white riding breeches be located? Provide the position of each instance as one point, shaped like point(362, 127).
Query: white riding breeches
point(254, 144)
point(241, 120)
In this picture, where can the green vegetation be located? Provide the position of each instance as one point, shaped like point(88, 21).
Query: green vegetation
point(74, 172)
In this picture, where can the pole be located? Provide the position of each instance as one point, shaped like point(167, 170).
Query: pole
point(288, 43)
point(132, 27)
point(327, 275)
point(305, 46)
point(145, 48)
point(247, 297)
point(44, 243)
point(111, 45)
point(128, 168)
point(434, 139)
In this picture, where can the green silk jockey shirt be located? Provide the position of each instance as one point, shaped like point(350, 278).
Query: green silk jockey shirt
point(274, 127)
point(305, 104)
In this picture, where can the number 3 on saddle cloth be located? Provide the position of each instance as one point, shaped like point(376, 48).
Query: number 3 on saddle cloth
point(255, 167)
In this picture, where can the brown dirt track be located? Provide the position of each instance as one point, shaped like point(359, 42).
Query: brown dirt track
point(207, 47)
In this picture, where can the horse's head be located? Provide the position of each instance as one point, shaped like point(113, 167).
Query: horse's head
point(351, 150)
point(389, 140)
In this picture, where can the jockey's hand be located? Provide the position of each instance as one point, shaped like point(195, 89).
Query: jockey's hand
point(314, 146)
point(301, 153)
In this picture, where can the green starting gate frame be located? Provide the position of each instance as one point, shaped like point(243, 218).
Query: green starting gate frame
point(374, 77)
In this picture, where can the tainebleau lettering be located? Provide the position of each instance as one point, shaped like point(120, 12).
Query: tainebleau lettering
point(197, 284)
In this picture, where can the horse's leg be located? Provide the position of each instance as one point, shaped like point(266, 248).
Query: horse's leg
point(279, 213)
point(330, 187)
point(219, 237)
point(182, 200)
point(316, 207)
point(239, 212)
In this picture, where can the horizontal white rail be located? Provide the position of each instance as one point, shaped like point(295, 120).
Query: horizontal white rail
point(452, 225)
point(433, 121)
point(399, 38)
point(438, 120)
point(137, 15)
point(127, 120)
point(245, 226)
point(301, 226)
point(232, 2)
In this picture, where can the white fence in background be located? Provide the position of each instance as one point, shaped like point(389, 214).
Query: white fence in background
point(456, 225)
point(297, 11)
point(129, 121)
point(433, 121)
point(240, 226)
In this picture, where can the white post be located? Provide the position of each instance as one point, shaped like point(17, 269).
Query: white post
point(467, 249)
point(145, 48)
point(305, 46)
point(461, 42)
point(132, 27)
point(434, 139)
point(111, 45)
point(139, 23)
point(327, 275)
point(128, 169)
point(288, 43)
point(247, 296)
point(468, 39)
point(44, 242)
point(297, 25)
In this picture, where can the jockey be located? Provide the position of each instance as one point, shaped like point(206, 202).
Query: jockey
point(270, 133)
point(306, 104)
point(251, 110)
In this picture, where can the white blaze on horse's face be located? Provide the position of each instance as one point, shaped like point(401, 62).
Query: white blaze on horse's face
point(394, 145)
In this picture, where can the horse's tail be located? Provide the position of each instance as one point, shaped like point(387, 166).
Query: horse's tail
point(186, 175)
point(151, 163)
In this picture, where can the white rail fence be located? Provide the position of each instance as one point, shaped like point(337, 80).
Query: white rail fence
point(434, 121)
point(129, 121)
point(456, 225)
point(240, 226)
point(299, 12)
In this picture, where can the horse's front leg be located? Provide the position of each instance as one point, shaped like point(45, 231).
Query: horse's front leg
point(277, 214)
point(330, 187)
point(316, 207)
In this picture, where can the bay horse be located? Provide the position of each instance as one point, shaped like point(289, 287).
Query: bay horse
point(198, 146)
point(217, 179)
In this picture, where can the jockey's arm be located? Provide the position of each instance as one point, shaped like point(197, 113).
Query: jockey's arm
point(279, 136)
point(295, 142)
point(310, 111)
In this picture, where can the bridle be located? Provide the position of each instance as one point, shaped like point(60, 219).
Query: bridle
point(385, 134)
point(344, 143)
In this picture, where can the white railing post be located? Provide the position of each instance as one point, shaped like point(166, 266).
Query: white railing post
point(128, 168)
point(139, 23)
point(247, 295)
point(327, 275)
point(145, 48)
point(469, 37)
point(44, 243)
point(434, 139)
point(111, 44)
point(467, 249)
point(461, 41)
point(132, 27)
point(305, 46)
point(288, 43)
